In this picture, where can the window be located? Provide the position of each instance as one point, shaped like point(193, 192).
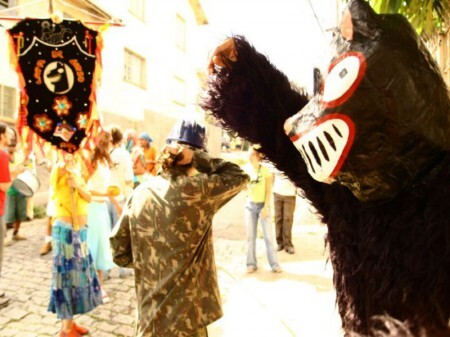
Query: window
point(179, 91)
point(137, 8)
point(134, 69)
point(7, 102)
point(180, 33)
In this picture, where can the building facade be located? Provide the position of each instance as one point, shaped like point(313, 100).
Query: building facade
point(150, 71)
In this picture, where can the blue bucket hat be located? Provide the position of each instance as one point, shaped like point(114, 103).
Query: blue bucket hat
point(146, 136)
point(188, 132)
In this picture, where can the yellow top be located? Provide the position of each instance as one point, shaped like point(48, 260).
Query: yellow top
point(257, 184)
point(62, 195)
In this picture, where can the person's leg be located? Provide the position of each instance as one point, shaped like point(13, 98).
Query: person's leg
point(123, 272)
point(67, 325)
point(47, 247)
point(2, 240)
point(278, 210)
point(30, 208)
point(288, 220)
point(251, 220)
point(21, 215)
point(268, 240)
point(103, 260)
point(4, 301)
point(9, 217)
point(112, 213)
point(100, 277)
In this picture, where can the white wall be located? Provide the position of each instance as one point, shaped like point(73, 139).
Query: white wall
point(153, 39)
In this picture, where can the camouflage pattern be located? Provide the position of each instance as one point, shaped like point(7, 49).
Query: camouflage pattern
point(165, 234)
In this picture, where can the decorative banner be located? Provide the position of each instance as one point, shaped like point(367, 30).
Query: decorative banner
point(58, 65)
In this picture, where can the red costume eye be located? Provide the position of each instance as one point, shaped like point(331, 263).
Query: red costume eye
point(344, 75)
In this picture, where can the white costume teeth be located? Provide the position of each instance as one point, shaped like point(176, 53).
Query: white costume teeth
point(325, 146)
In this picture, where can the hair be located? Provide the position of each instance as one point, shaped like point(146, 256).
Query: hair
point(101, 149)
point(131, 133)
point(256, 149)
point(116, 135)
point(13, 140)
point(3, 128)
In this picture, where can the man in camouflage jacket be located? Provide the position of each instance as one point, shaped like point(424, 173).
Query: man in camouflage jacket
point(165, 234)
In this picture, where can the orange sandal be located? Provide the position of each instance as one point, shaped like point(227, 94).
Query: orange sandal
point(80, 329)
point(71, 333)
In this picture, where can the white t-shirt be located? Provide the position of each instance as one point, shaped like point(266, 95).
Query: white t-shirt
point(122, 171)
point(99, 181)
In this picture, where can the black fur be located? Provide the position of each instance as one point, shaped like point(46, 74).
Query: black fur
point(391, 258)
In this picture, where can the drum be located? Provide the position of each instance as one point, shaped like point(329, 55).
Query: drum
point(26, 183)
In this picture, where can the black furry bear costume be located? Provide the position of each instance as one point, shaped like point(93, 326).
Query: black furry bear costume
point(372, 155)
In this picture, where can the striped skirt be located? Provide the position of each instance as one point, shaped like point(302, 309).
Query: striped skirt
point(75, 285)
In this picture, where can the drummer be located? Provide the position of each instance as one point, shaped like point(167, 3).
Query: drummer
point(16, 203)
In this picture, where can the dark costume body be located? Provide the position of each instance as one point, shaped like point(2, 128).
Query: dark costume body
point(385, 198)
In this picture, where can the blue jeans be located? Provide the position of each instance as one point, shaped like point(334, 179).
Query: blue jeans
point(252, 215)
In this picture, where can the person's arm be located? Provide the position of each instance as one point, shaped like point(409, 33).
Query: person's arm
point(14, 172)
point(80, 188)
point(5, 177)
point(121, 242)
point(129, 175)
point(4, 186)
point(154, 162)
point(139, 163)
point(265, 212)
point(215, 179)
point(223, 180)
point(250, 96)
point(115, 204)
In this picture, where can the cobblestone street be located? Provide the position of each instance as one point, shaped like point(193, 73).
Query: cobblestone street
point(297, 302)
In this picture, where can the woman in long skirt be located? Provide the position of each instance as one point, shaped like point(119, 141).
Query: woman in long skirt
point(75, 285)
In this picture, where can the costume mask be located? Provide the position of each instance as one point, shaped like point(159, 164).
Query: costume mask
point(381, 121)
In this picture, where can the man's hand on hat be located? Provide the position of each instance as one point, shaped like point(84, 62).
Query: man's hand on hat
point(176, 149)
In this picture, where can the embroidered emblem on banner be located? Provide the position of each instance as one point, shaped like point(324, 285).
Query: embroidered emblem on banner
point(56, 64)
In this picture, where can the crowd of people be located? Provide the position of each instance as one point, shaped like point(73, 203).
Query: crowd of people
point(85, 201)
point(88, 197)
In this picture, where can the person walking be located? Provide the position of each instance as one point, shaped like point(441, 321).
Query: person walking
point(5, 183)
point(99, 225)
point(137, 156)
point(284, 195)
point(75, 285)
point(16, 202)
point(150, 153)
point(121, 172)
point(258, 209)
point(165, 234)
point(50, 212)
point(122, 177)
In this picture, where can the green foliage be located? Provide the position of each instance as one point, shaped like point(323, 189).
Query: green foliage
point(428, 17)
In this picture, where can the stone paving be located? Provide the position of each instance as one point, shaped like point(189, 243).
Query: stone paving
point(297, 302)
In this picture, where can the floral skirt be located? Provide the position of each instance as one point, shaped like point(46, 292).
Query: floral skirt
point(75, 285)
